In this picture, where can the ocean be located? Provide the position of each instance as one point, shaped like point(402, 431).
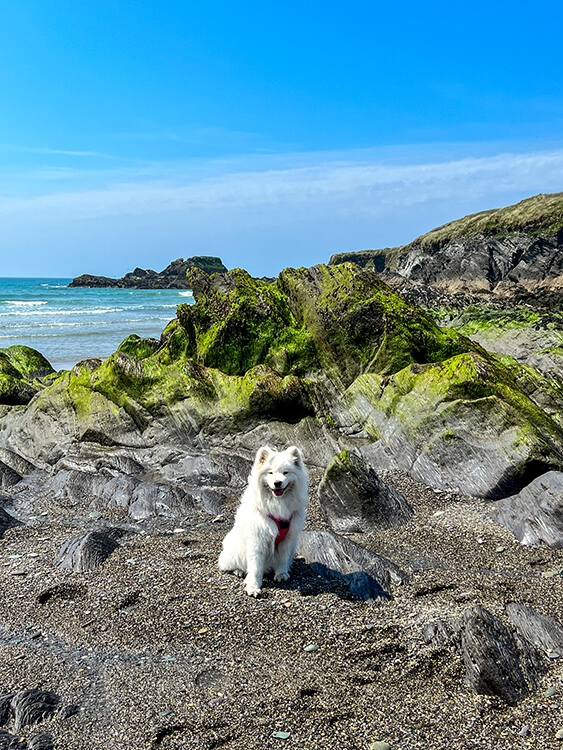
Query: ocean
point(70, 324)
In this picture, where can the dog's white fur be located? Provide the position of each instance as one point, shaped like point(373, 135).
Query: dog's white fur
point(249, 548)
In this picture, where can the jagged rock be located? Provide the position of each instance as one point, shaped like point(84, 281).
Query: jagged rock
point(333, 346)
point(535, 514)
point(155, 499)
point(367, 575)
point(8, 477)
point(7, 521)
point(88, 550)
point(32, 706)
point(354, 499)
point(172, 277)
point(544, 632)
point(10, 742)
point(497, 661)
point(16, 462)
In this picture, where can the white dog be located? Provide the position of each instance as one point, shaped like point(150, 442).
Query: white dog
point(269, 519)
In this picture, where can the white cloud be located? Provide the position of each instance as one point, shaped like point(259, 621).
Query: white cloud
point(358, 188)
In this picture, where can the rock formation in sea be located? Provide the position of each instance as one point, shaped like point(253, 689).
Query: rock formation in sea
point(172, 277)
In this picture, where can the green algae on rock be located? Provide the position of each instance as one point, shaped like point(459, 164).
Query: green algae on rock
point(239, 322)
point(358, 324)
point(20, 370)
point(462, 423)
point(340, 320)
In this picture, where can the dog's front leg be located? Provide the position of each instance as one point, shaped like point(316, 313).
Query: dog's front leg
point(284, 557)
point(256, 559)
point(285, 551)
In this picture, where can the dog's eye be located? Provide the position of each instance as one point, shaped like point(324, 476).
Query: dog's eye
point(285, 473)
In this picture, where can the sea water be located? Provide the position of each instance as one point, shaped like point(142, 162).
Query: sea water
point(68, 324)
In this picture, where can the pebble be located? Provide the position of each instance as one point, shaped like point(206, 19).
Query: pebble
point(525, 731)
point(311, 647)
point(500, 549)
point(281, 735)
point(559, 735)
point(550, 692)
point(553, 655)
point(380, 746)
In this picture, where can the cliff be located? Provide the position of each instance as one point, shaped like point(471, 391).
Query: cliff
point(506, 251)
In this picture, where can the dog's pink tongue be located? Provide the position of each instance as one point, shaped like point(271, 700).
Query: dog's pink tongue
point(278, 493)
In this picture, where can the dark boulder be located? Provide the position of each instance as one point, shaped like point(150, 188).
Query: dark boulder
point(354, 499)
point(497, 660)
point(88, 550)
point(32, 706)
point(367, 575)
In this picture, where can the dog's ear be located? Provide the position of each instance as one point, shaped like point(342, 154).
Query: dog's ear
point(262, 455)
point(295, 454)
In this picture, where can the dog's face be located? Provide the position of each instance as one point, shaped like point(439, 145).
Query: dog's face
point(279, 471)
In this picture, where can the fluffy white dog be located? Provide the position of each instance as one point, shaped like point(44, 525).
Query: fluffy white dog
point(269, 519)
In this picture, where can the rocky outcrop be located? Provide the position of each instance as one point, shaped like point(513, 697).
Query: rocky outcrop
point(535, 514)
point(504, 250)
point(459, 424)
point(354, 499)
point(172, 277)
point(328, 358)
point(21, 372)
point(497, 661)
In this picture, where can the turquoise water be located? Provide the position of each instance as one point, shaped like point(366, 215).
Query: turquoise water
point(67, 325)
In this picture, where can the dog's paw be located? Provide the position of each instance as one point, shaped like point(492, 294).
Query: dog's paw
point(239, 573)
point(281, 577)
point(252, 590)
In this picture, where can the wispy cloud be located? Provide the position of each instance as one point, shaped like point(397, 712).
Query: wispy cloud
point(354, 187)
point(57, 151)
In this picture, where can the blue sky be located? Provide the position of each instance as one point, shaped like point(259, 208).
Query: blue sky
point(270, 134)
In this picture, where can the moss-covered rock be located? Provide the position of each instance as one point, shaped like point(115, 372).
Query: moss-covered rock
point(358, 324)
point(29, 362)
point(239, 322)
point(20, 370)
point(138, 347)
point(461, 424)
point(340, 320)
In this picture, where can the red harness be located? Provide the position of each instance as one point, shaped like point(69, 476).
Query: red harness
point(283, 527)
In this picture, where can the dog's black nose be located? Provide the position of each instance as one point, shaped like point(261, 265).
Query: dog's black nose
point(277, 484)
